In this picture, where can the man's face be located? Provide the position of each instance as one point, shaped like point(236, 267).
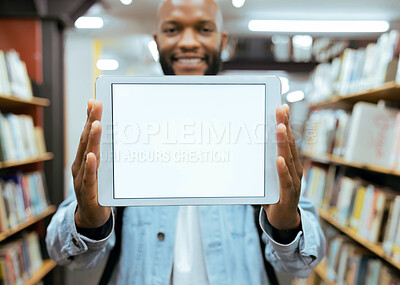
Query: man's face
point(189, 37)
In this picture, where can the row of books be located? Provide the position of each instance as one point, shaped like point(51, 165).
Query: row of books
point(372, 212)
point(348, 263)
point(368, 135)
point(19, 138)
point(14, 79)
point(22, 197)
point(20, 259)
point(357, 70)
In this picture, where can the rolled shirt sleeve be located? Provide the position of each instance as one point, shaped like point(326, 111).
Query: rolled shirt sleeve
point(307, 249)
point(66, 246)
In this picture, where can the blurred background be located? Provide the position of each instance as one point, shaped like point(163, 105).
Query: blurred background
point(324, 53)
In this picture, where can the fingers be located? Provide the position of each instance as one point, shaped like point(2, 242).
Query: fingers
point(282, 116)
point(89, 181)
point(285, 179)
point(285, 152)
point(93, 145)
point(94, 111)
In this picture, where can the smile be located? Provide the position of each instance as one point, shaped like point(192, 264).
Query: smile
point(189, 60)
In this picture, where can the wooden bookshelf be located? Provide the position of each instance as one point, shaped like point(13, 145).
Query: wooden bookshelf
point(46, 267)
point(329, 158)
point(372, 247)
point(49, 211)
point(321, 271)
point(44, 157)
point(11, 101)
point(390, 91)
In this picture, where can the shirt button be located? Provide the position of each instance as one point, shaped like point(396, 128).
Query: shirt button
point(75, 243)
point(161, 236)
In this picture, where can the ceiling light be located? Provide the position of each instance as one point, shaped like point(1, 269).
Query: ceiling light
point(238, 3)
point(302, 41)
point(153, 50)
point(295, 96)
point(301, 26)
point(126, 2)
point(89, 23)
point(107, 64)
point(284, 84)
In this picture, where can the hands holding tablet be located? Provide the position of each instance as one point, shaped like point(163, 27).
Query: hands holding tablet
point(90, 214)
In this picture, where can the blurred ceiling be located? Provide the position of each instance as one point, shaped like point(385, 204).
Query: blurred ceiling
point(139, 17)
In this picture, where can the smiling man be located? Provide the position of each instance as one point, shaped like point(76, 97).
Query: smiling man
point(187, 245)
point(190, 37)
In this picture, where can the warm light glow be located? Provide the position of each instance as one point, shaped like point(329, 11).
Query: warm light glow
point(284, 84)
point(126, 2)
point(153, 49)
point(295, 96)
point(89, 23)
point(301, 26)
point(238, 3)
point(107, 64)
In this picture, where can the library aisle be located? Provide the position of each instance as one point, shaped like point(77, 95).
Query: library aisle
point(351, 152)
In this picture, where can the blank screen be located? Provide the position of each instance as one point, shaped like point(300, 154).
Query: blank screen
point(188, 140)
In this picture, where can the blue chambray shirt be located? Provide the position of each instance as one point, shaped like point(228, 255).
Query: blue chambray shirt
point(229, 236)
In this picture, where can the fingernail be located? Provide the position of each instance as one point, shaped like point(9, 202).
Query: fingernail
point(282, 162)
point(92, 129)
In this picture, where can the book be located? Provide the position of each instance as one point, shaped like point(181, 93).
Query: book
point(23, 195)
point(366, 212)
point(347, 188)
point(20, 259)
point(371, 135)
point(19, 79)
point(395, 158)
point(5, 88)
point(393, 225)
point(358, 205)
point(19, 138)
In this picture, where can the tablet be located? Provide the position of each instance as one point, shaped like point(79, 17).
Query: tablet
point(188, 140)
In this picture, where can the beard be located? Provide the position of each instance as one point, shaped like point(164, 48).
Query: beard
point(213, 63)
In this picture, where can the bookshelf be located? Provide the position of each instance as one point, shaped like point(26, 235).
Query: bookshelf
point(41, 158)
point(21, 174)
point(35, 29)
point(48, 265)
point(49, 211)
point(374, 248)
point(347, 191)
point(333, 159)
point(388, 91)
point(320, 270)
point(11, 101)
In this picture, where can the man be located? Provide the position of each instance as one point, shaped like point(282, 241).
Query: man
point(188, 245)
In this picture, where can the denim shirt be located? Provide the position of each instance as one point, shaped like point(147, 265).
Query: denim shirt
point(229, 236)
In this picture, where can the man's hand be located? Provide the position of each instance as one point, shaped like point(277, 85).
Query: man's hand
point(284, 214)
point(89, 213)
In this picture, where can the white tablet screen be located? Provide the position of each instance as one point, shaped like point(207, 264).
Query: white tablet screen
point(188, 140)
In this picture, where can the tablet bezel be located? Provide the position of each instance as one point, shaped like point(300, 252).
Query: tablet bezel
point(105, 172)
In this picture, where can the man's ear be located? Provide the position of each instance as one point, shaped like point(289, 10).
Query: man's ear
point(224, 40)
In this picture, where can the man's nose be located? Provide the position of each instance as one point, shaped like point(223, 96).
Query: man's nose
point(188, 40)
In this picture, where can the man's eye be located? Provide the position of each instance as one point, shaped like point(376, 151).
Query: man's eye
point(170, 30)
point(206, 30)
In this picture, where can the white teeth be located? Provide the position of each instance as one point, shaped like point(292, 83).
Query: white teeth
point(189, 60)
